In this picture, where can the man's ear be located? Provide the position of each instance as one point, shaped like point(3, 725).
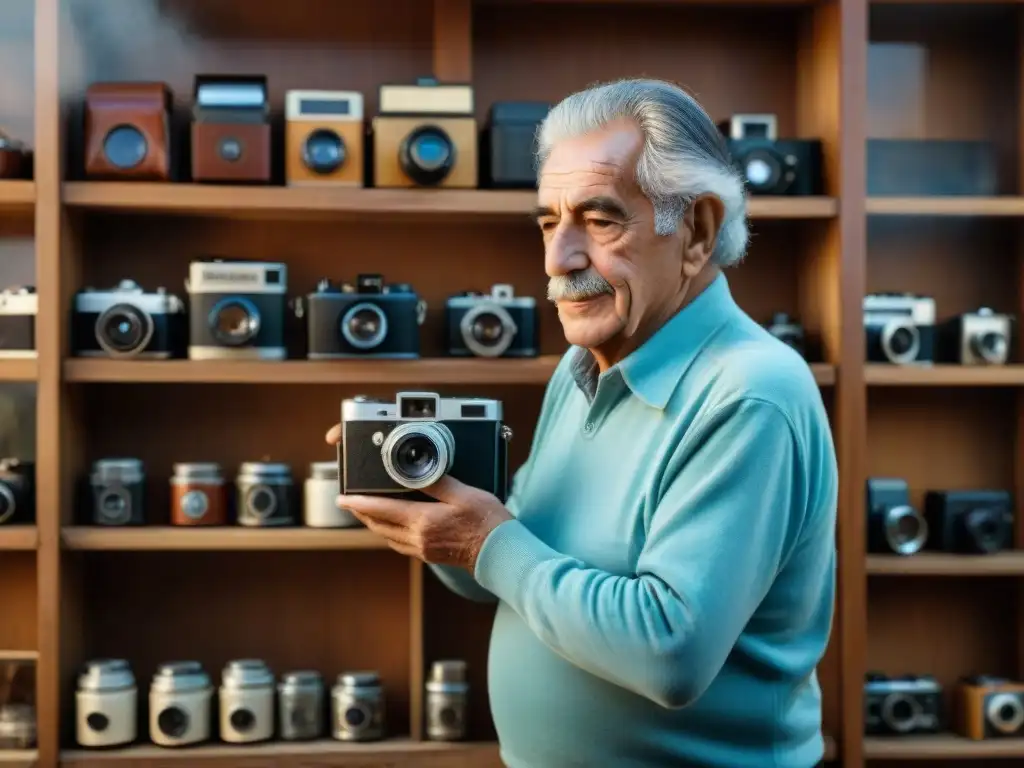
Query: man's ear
point(703, 220)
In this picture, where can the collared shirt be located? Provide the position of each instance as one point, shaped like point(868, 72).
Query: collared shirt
point(666, 589)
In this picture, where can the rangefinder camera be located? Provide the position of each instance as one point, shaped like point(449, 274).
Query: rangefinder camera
point(899, 328)
point(498, 324)
point(902, 706)
point(396, 447)
point(126, 321)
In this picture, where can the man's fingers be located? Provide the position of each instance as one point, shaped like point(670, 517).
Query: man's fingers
point(392, 533)
point(334, 435)
point(448, 490)
point(393, 511)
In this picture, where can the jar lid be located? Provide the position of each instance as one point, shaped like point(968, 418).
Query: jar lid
point(247, 673)
point(303, 678)
point(106, 675)
point(448, 671)
point(177, 676)
point(361, 679)
point(265, 468)
point(323, 470)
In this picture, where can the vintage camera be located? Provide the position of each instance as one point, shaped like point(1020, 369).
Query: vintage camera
point(300, 705)
point(976, 338)
point(15, 158)
point(894, 526)
point(17, 492)
point(180, 699)
point(499, 324)
point(246, 702)
point(199, 495)
point(989, 707)
point(425, 135)
point(18, 308)
point(899, 328)
point(266, 495)
point(118, 489)
point(237, 310)
point(508, 144)
point(128, 132)
point(106, 704)
point(770, 165)
point(398, 447)
point(231, 129)
point(447, 701)
point(902, 706)
point(126, 321)
point(788, 331)
point(368, 319)
point(358, 707)
point(969, 522)
point(324, 138)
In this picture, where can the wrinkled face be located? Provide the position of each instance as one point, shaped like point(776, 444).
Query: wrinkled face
point(609, 273)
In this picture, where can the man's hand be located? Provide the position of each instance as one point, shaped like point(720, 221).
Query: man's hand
point(449, 532)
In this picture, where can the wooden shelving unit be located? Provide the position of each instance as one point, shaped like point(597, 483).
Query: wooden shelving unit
point(941, 564)
point(19, 758)
point(941, 747)
point(944, 376)
point(169, 538)
point(18, 537)
point(947, 206)
point(17, 197)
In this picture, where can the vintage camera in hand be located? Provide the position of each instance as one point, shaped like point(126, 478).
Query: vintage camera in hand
point(128, 132)
point(18, 309)
point(902, 706)
point(425, 135)
point(969, 522)
point(499, 324)
point(787, 330)
point(368, 319)
point(981, 337)
point(126, 321)
point(324, 138)
point(894, 525)
point(508, 144)
point(237, 310)
point(17, 492)
point(266, 495)
point(15, 158)
point(899, 328)
point(398, 447)
point(989, 707)
point(118, 491)
point(231, 129)
point(770, 165)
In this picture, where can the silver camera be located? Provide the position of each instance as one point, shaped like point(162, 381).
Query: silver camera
point(899, 328)
point(357, 707)
point(300, 699)
point(126, 321)
point(18, 308)
point(447, 701)
point(976, 338)
point(118, 489)
point(106, 704)
point(246, 702)
point(499, 324)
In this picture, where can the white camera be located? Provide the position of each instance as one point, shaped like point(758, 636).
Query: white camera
point(246, 702)
point(106, 704)
point(179, 704)
point(320, 493)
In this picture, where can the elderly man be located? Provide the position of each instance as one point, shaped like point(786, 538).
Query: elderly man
point(665, 566)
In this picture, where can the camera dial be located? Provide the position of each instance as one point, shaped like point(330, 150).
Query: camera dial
point(427, 155)
point(125, 146)
point(1005, 712)
point(901, 341)
point(123, 330)
point(418, 454)
point(234, 321)
point(487, 330)
point(364, 325)
point(324, 151)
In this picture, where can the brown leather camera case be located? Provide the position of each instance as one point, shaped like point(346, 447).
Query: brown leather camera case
point(389, 132)
point(198, 501)
point(252, 165)
point(146, 107)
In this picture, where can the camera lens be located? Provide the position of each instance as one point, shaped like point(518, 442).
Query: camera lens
point(418, 454)
point(905, 530)
point(364, 326)
point(900, 341)
point(427, 155)
point(97, 721)
point(123, 330)
point(985, 530)
point(172, 722)
point(990, 346)
point(234, 321)
point(242, 720)
point(1005, 712)
point(113, 507)
point(449, 717)
point(415, 457)
point(230, 150)
point(761, 169)
point(261, 501)
point(487, 330)
point(323, 151)
point(7, 503)
point(125, 147)
point(900, 712)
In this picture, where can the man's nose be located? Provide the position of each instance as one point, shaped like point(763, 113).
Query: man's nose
point(566, 252)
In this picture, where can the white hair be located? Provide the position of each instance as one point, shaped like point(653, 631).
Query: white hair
point(684, 153)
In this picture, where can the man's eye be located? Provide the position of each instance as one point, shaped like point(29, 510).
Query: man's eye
point(600, 223)
point(547, 226)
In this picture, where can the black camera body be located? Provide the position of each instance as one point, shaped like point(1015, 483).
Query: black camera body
point(370, 319)
point(790, 332)
point(899, 328)
point(17, 492)
point(395, 448)
point(982, 337)
point(509, 144)
point(499, 324)
point(770, 165)
point(894, 525)
point(902, 706)
point(127, 321)
point(117, 490)
point(18, 309)
point(969, 522)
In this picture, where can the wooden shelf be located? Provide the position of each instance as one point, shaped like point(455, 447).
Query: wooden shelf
point(341, 202)
point(409, 754)
point(24, 758)
point(18, 537)
point(945, 746)
point(17, 196)
point(17, 369)
point(944, 375)
point(946, 206)
point(155, 538)
point(941, 564)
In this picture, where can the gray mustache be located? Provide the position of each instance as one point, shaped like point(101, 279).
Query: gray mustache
point(578, 286)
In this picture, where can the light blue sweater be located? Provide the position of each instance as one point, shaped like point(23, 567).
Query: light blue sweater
point(666, 590)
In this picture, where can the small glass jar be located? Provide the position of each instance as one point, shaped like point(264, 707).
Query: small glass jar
point(357, 707)
point(300, 703)
point(447, 701)
point(17, 726)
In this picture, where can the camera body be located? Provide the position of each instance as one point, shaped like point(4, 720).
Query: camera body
point(899, 328)
point(981, 337)
point(894, 525)
point(106, 704)
point(770, 165)
point(180, 699)
point(237, 310)
point(508, 144)
point(969, 522)
point(989, 707)
point(324, 138)
point(128, 132)
point(425, 135)
point(15, 158)
point(902, 706)
point(787, 330)
point(18, 309)
point(199, 495)
point(358, 707)
point(266, 495)
point(118, 491)
point(246, 702)
point(127, 321)
point(17, 492)
point(395, 448)
point(368, 319)
point(499, 324)
point(231, 129)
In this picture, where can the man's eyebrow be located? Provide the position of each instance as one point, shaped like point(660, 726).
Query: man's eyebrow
point(601, 204)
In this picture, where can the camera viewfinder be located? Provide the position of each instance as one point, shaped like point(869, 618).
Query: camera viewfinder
point(418, 407)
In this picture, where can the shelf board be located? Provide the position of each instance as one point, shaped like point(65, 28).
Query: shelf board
point(942, 564)
point(341, 202)
point(946, 206)
point(155, 538)
point(943, 746)
point(409, 754)
point(22, 537)
point(17, 196)
point(19, 758)
point(19, 369)
point(944, 375)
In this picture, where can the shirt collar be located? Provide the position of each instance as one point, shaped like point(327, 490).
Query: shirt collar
point(653, 370)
